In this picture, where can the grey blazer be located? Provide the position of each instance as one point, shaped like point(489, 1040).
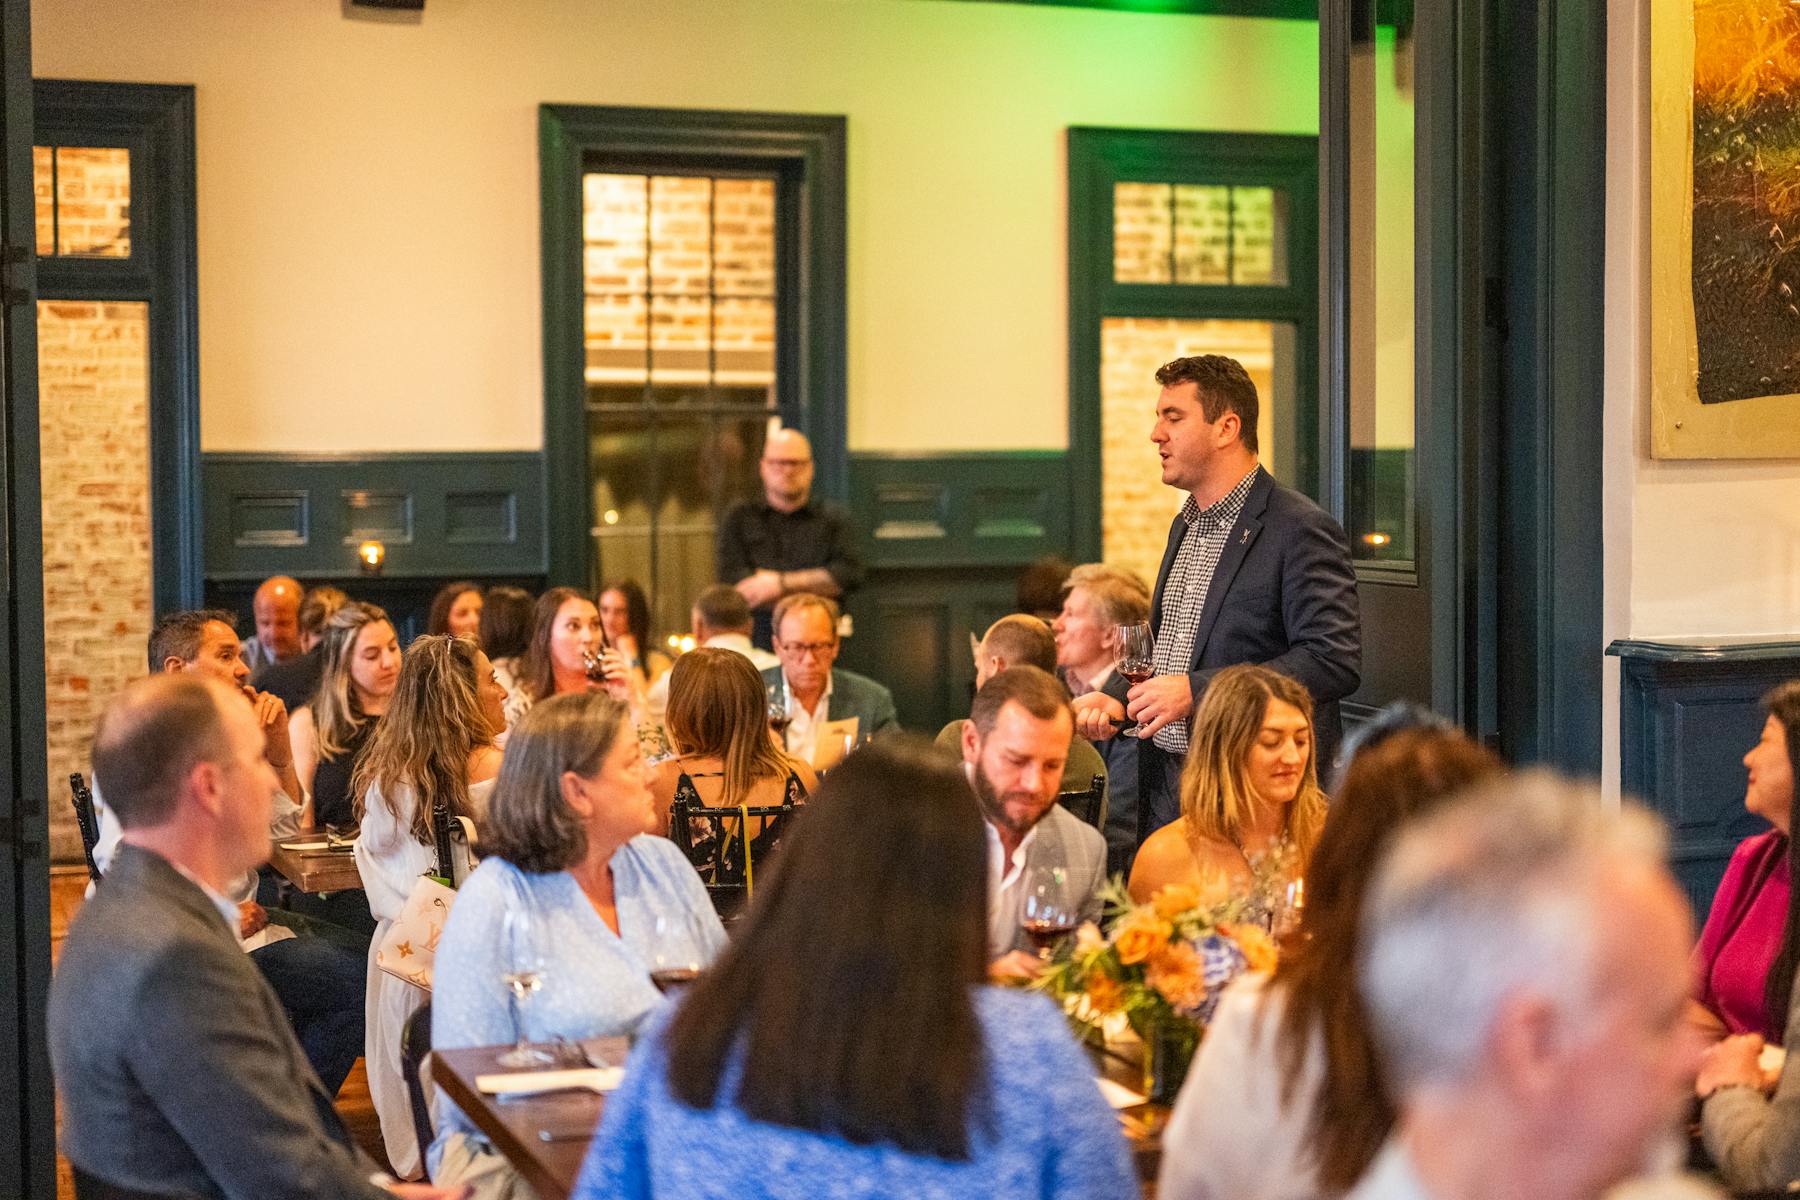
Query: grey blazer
point(853, 695)
point(1755, 1139)
point(178, 1069)
point(1063, 839)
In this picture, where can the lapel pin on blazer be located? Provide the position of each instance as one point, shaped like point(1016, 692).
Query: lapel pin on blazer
point(1245, 537)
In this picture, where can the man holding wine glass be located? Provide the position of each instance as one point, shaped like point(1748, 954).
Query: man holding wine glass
point(1254, 572)
point(1045, 867)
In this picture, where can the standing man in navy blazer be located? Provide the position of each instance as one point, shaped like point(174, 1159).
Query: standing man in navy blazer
point(1254, 572)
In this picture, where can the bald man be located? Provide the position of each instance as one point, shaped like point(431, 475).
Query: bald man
point(786, 542)
point(277, 609)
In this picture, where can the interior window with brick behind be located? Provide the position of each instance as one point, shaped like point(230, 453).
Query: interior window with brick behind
point(93, 395)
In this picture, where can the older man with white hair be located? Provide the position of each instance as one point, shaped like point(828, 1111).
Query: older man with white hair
point(1524, 967)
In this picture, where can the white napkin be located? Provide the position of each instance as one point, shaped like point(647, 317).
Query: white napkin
point(524, 1083)
point(1117, 1094)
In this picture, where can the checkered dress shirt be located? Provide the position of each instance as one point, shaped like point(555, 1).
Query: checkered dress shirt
point(1184, 595)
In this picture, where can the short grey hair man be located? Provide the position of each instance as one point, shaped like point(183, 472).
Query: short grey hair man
point(1524, 968)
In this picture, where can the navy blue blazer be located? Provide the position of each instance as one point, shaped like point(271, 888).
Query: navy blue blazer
point(1283, 596)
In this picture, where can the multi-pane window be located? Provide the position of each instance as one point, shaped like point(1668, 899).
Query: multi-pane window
point(1199, 233)
point(83, 201)
point(681, 360)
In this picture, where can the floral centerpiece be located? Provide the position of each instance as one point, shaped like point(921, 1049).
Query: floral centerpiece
point(1163, 966)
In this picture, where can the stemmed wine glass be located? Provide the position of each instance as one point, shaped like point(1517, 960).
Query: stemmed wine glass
point(778, 711)
point(675, 957)
point(523, 974)
point(1137, 657)
point(1049, 913)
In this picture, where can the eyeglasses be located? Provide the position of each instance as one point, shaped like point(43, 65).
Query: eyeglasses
point(792, 464)
point(808, 649)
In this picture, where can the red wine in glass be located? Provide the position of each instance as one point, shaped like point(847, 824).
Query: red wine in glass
point(1137, 658)
point(1046, 932)
point(673, 979)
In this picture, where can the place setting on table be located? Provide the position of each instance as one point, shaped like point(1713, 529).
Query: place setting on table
point(540, 1102)
point(317, 861)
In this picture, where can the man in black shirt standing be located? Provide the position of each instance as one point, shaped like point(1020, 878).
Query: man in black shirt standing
point(787, 541)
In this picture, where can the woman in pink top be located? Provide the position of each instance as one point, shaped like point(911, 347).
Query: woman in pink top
point(1743, 936)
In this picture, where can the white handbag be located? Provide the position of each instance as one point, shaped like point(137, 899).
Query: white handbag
point(408, 950)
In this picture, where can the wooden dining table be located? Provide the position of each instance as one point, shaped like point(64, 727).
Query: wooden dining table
point(546, 1136)
point(326, 868)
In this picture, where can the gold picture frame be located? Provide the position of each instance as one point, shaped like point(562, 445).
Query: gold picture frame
point(1681, 426)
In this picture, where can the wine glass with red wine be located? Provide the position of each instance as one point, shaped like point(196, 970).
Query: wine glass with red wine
point(1137, 657)
point(779, 719)
point(675, 958)
point(1051, 907)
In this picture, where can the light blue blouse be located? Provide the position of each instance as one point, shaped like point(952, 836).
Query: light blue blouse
point(595, 983)
point(1055, 1136)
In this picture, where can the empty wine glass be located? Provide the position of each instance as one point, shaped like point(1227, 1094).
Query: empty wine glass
point(522, 971)
point(676, 954)
point(1050, 909)
point(1137, 657)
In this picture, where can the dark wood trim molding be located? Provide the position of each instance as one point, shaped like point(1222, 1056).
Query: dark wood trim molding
point(806, 151)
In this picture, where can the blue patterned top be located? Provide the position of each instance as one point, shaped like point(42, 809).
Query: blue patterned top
point(1055, 1135)
point(595, 983)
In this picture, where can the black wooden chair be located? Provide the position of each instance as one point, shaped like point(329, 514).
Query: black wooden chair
point(713, 840)
point(1089, 806)
point(86, 822)
point(415, 1047)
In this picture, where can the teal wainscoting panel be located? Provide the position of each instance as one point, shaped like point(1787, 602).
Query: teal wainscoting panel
point(439, 515)
point(944, 537)
point(1689, 709)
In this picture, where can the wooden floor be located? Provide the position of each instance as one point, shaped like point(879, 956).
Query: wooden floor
point(67, 884)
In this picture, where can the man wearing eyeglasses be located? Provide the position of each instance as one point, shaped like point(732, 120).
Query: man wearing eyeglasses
point(787, 542)
point(828, 710)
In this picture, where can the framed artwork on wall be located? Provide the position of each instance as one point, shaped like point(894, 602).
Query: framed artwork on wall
point(1725, 229)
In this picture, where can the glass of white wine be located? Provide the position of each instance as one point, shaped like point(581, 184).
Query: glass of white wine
point(523, 973)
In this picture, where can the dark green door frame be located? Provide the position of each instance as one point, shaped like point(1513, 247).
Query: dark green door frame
point(1099, 158)
point(27, 1098)
point(155, 122)
point(808, 154)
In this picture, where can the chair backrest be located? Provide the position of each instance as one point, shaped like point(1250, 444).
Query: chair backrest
point(87, 1187)
point(86, 822)
point(712, 839)
point(415, 1047)
point(1086, 805)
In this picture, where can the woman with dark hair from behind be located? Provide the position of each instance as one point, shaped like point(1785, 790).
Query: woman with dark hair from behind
point(846, 1033)
point(505, 632)
point(1284, 1099)
point(1753, 1137)
point(456, 610)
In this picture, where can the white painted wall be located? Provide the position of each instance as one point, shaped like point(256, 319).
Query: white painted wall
point(1692, 548)
point(368, 196)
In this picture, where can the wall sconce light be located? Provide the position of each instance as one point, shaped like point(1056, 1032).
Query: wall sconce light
point(371, 555)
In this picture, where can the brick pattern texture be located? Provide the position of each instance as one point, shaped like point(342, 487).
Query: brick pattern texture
point(687, 261)
point(83, 201)
point(1197, 233)
point(93, 392)
point(1136, 507)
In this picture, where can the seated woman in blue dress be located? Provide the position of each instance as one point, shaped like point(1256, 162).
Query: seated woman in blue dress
point(569, 836)
point(845, 1045)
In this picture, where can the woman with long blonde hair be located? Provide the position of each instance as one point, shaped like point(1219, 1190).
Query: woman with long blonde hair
point(362, 664)
point(1251, 808)
point(435, 743)
point(726, 755)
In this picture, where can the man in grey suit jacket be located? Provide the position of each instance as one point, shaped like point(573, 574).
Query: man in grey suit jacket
point(179, 1073)
point(1253, 572)
point(814, 691)
point(1014, 748)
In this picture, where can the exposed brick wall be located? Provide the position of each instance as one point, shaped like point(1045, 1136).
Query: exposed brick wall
point(91, 216)
point(93, 388)
point(1218, 235)
point(716, 289)
point(1136, 506)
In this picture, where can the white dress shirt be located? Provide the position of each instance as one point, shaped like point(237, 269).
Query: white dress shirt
point(803, 726)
